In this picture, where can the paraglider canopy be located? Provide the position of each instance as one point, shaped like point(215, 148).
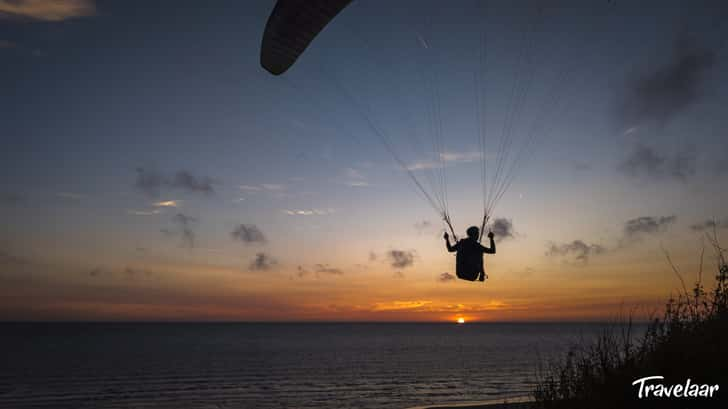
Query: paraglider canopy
point(291, 27)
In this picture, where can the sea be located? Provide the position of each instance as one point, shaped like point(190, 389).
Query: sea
point(274, 365)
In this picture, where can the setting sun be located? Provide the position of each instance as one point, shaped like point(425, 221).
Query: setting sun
point(461, 320)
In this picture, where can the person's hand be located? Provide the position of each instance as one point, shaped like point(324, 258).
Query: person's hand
point(490, 235)
point(446, 236)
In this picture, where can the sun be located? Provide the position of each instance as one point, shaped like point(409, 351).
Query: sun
point(461, 320)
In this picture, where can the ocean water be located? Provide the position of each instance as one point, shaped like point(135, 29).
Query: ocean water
point(287, 365)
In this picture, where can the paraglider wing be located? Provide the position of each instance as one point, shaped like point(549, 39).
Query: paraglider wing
point(291, 27)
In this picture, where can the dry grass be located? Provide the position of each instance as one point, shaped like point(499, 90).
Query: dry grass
point(689, 341)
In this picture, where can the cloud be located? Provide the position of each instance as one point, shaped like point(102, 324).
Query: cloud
point(326, 269)
point(185, 180)
point(401, 258)
point(372, 256)
point(46, 10)
point(184, 223)
point(461, 157)
point(166, 203)
point(144, 212)
point(423, 225)
point(318, 269)
point(249, 234)
point(502, 228)
point(446, 277)
point(432, 306)
point(401, 305)
point(445, 159)
point(647, 225)
point(152, 182)
point(309, 212)
point(128, 272)
point(710, 224)
point(668, 90)
point(148, 181)
point(272, 186)
point(577, 250)
point(262, 262)
point(645, 161)
point(580, 251)
point(355, 178)
point(301, 271)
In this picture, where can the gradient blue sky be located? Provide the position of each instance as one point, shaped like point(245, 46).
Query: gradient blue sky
point(92, 92)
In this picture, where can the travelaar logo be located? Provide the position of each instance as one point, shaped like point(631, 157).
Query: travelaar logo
point(686, 390)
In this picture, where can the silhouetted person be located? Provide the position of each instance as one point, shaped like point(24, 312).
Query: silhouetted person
point(469, 258)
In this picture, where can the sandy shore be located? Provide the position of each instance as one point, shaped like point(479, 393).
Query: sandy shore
point(520, 402)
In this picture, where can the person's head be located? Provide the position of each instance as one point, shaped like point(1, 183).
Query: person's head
point(473, 232)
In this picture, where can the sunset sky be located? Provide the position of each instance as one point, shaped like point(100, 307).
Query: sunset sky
point(152, 170)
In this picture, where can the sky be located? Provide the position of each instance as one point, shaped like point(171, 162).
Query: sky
point(152, 170)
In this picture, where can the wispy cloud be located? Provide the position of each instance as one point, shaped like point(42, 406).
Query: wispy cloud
point(262, 262)
point(576, 251)
point(401, 258)
point(152, 182)
point(166, 203)
point(633, 230)
point(249, 234)
point(423, 225)
point(354, 178)
point(309, 212)
point(144, 212)
point(461, 157)
point(183, 229)
point(445, 159)
point(326, 269)
point(647, 225)
point(663, 93)
point(127, 272)
point(710, 224)
point(647, 162)
point(317, 270)
point(401, 305)
point(502, 228)
point(46, 10)
point(431, 306)
point(446, 277)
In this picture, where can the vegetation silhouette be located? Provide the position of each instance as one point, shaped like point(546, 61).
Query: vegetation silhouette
point(689, 341)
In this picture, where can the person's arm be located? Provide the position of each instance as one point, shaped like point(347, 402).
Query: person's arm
point(450, 248)
point(490, 250)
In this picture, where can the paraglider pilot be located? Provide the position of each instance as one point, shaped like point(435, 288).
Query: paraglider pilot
point(469, 257)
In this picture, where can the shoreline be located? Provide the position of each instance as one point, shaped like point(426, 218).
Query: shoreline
point(515, 402)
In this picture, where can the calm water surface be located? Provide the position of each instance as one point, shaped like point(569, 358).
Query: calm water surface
point(73, 365)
